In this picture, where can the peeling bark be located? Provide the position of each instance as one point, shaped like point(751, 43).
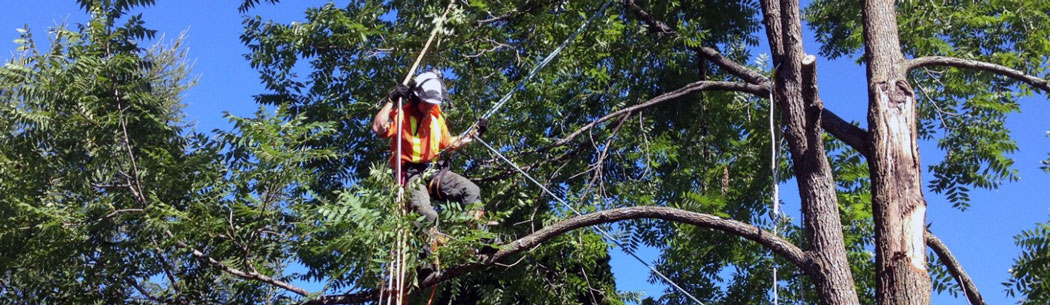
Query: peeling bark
point(897, 199)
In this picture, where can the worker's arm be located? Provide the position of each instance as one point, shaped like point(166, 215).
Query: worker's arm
point(478, 129)
point(381, 123)
point(458, 142)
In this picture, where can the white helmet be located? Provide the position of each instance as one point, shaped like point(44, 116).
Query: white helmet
point(430, 88)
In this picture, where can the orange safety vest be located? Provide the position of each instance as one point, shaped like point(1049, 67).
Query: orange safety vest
point(422, 136)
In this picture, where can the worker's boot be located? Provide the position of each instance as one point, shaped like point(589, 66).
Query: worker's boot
point(487, 244)
point(436, 239)
point(479, 220)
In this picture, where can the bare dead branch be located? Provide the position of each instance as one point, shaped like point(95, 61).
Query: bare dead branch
point(955, 268)
point(778, 245)
point(509, 171)
point(527, 9)
point(955, 62)
point(599, 165)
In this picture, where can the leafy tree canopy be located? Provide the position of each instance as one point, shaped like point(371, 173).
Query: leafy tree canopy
point(108, 198)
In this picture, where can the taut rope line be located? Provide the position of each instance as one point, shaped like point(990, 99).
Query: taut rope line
point(596, 228)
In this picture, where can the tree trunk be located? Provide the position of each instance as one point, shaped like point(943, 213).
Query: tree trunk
point(898, 204)
point(801, 110)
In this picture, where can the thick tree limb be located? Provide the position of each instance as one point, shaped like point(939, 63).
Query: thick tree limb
point(848, 133)
point(955, 268)
point(801, 110)
point(852, 135)
point(1018, 75)
point(778, 245)
point(655, 26)
point(829, 121)
point(661, 28)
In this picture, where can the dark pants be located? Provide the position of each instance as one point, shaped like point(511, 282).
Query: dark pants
point(443, 185)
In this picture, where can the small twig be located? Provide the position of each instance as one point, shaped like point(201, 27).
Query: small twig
point(152, 297)
point(645, 139)
point(513, 264)
point(585, 278)
point(235, 272)
point(131, 155)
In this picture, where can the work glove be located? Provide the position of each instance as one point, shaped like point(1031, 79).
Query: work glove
point(400, 91)
point(483, 126)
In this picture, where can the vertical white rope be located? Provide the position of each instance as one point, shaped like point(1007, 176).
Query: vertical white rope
point(397, 269)
point(776, 188)
point(390, 278)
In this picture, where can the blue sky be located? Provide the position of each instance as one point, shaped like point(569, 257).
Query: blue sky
point(981, 237)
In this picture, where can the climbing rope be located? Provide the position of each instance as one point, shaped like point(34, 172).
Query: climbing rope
point(396, 274)
point(776, 188)
point(599, 229)
point(532, 73)
point(521, 85)
point(499, 104)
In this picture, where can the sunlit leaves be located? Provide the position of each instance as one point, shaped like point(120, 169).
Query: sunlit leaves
point(1030, 273)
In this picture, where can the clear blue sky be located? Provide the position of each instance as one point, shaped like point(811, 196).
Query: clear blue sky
point(982, 237)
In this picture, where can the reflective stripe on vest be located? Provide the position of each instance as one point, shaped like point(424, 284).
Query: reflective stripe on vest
point(417, 150)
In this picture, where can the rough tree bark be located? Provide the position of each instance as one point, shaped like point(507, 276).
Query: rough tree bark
point(801, 113)
point(897, 199)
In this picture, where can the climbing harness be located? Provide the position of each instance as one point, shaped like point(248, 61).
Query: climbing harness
point(499, 104)
point(396, 274)
point(521, 85)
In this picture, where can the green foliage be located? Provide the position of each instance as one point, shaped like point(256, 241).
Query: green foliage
point(104, 190)
point(107, 198)
point(967, 107)
point(1031, 268)
point(339, 60)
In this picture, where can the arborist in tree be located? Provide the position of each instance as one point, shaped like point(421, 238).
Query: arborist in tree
point(424, 135)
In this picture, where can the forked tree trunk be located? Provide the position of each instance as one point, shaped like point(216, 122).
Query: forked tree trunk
point(797, 97)
point(897, 199)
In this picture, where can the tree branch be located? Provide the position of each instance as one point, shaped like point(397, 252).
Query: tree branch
point(778, 245)
point(150, 296)
point(507, 171)
point(829, 121)
point(979, 65)
point(955, 268)
point(661, 28)
point(685, 90)
point(850, 134)
point(235, 272)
